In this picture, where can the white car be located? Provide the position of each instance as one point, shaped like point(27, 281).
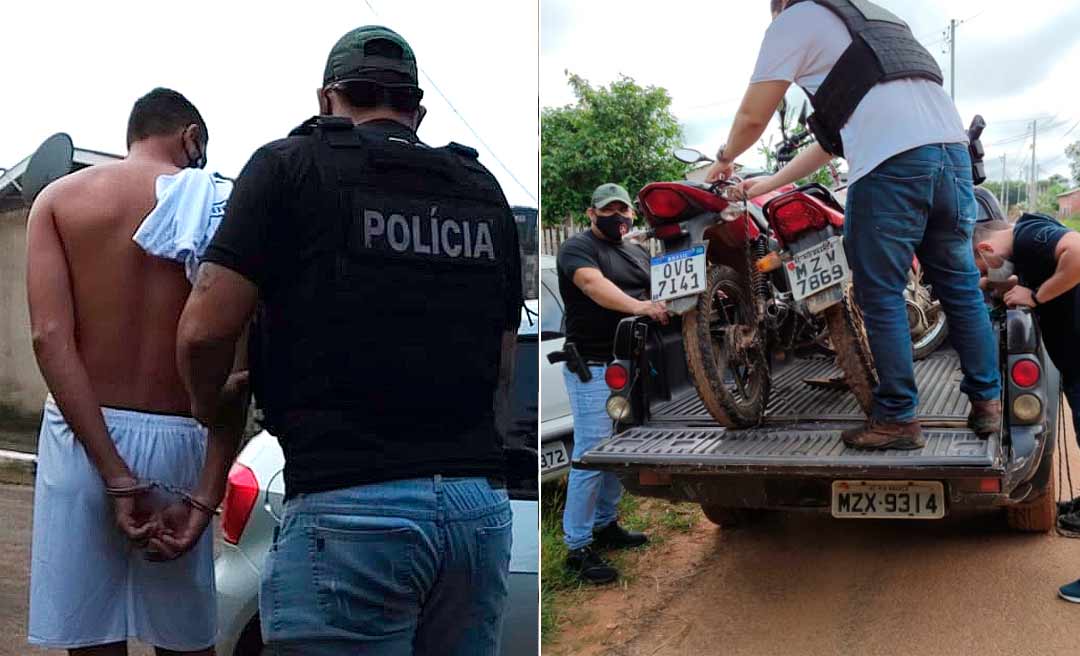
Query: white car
point(254, 502)
point(556, 421)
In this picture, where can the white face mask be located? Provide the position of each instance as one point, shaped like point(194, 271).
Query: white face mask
point(1001, 273)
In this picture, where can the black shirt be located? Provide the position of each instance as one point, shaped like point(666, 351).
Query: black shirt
point(588, 325)
point(1035, 238)
point(274, 227)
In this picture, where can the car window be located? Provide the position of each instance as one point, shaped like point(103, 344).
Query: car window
point(551, 314)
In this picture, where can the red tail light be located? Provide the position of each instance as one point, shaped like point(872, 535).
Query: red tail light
point(1025, 373)
point(665, 203)
point(241, 494)
point(796, 217)
point(616, 377)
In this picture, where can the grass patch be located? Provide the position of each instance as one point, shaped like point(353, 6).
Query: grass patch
point(563, 597)
point(1073, 222)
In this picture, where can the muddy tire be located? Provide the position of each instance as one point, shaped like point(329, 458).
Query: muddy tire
point(1038, 516)
point(713, 359)
point(847, 335)
point(731, 518)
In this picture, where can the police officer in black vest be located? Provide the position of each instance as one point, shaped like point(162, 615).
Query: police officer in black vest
point(387, 279)
point(879, 103)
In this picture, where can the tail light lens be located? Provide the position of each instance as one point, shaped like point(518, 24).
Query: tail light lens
point(796, 217)
point(616, 376)
point(241, 494)
point(1025, 373)
point(1027, 408)
point(665, 204)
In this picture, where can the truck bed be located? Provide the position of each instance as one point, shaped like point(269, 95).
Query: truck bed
point(801, 430)
point(793, 401)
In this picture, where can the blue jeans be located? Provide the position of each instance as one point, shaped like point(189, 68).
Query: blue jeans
point(592, 497)
point(405, 567)
point(920, 202)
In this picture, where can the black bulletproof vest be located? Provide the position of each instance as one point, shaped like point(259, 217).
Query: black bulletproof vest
point(394, 312)
point(882, 49)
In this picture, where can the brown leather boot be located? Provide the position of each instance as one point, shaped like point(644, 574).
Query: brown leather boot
point(985, 417)
point(885, 435)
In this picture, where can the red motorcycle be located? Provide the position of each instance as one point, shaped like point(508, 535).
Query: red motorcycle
point(750, 279)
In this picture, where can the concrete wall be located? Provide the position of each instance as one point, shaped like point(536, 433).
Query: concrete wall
point(22, 390)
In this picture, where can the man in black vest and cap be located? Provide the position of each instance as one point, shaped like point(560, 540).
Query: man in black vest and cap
point(879, 103)
point(385, 278)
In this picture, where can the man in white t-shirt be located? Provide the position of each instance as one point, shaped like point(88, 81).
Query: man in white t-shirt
point(911, 193)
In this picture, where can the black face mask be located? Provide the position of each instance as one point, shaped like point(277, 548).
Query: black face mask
point(614, 226)
point(199, 161)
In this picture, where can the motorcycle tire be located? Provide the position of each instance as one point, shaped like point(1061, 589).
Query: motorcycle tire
point(712, 354)
point(931, 339)
point(847, 333)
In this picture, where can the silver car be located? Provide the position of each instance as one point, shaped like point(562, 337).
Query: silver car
point(556, 421)
point(254, 503)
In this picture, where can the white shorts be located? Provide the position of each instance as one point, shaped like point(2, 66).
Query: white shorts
point(88, 584)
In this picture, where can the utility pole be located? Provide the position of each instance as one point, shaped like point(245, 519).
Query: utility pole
point(952, 56)
point(1003, 192)
point(1034, 180)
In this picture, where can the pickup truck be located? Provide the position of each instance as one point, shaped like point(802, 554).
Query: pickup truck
point(668, 446)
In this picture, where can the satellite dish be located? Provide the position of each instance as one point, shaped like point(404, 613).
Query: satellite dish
point(51, 161)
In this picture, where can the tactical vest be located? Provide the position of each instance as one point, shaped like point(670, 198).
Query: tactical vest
point(882, 49)
point(394, 313)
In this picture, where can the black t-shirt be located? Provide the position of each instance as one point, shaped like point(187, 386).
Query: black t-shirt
point(589, 325)
point(1035, 238)
point(274, 227)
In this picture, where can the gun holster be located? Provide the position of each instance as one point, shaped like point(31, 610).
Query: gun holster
point(574, 362)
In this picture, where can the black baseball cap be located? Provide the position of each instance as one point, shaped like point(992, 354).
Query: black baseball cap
point(371, 53)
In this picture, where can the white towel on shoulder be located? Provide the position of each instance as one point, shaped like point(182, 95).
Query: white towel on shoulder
point(190, 205)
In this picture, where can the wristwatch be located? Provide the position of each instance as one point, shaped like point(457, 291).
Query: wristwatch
point(1035, 297)
point(720, 155)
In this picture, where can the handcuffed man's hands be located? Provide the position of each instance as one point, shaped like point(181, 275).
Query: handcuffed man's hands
point(181, 526)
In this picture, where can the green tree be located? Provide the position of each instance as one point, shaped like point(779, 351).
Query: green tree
point(1072, 151)
point(620, 133)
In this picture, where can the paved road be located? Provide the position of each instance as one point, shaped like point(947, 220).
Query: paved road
point(812, 585)
point(16, 504)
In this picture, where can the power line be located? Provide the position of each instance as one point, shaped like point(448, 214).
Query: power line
point(471, 129)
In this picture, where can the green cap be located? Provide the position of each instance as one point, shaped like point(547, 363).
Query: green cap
point(609, 193)
point(371, 52)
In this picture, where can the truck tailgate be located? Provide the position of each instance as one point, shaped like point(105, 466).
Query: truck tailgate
point(810, 449)
point(800, 435)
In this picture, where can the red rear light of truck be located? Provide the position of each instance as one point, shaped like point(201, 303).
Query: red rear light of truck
point(1025, 373)
point(241, 494)
point(616, 376)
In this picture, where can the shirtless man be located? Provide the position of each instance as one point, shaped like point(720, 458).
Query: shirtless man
point(104, 316)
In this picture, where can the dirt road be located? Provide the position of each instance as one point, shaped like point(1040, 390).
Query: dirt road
point(812, 585)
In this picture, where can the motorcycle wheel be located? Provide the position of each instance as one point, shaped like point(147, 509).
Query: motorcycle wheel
point(922, 345)
point(847, 333)
point(731, 374)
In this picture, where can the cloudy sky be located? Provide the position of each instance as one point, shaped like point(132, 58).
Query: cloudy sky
point(1015, 62)
point(252, 69)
